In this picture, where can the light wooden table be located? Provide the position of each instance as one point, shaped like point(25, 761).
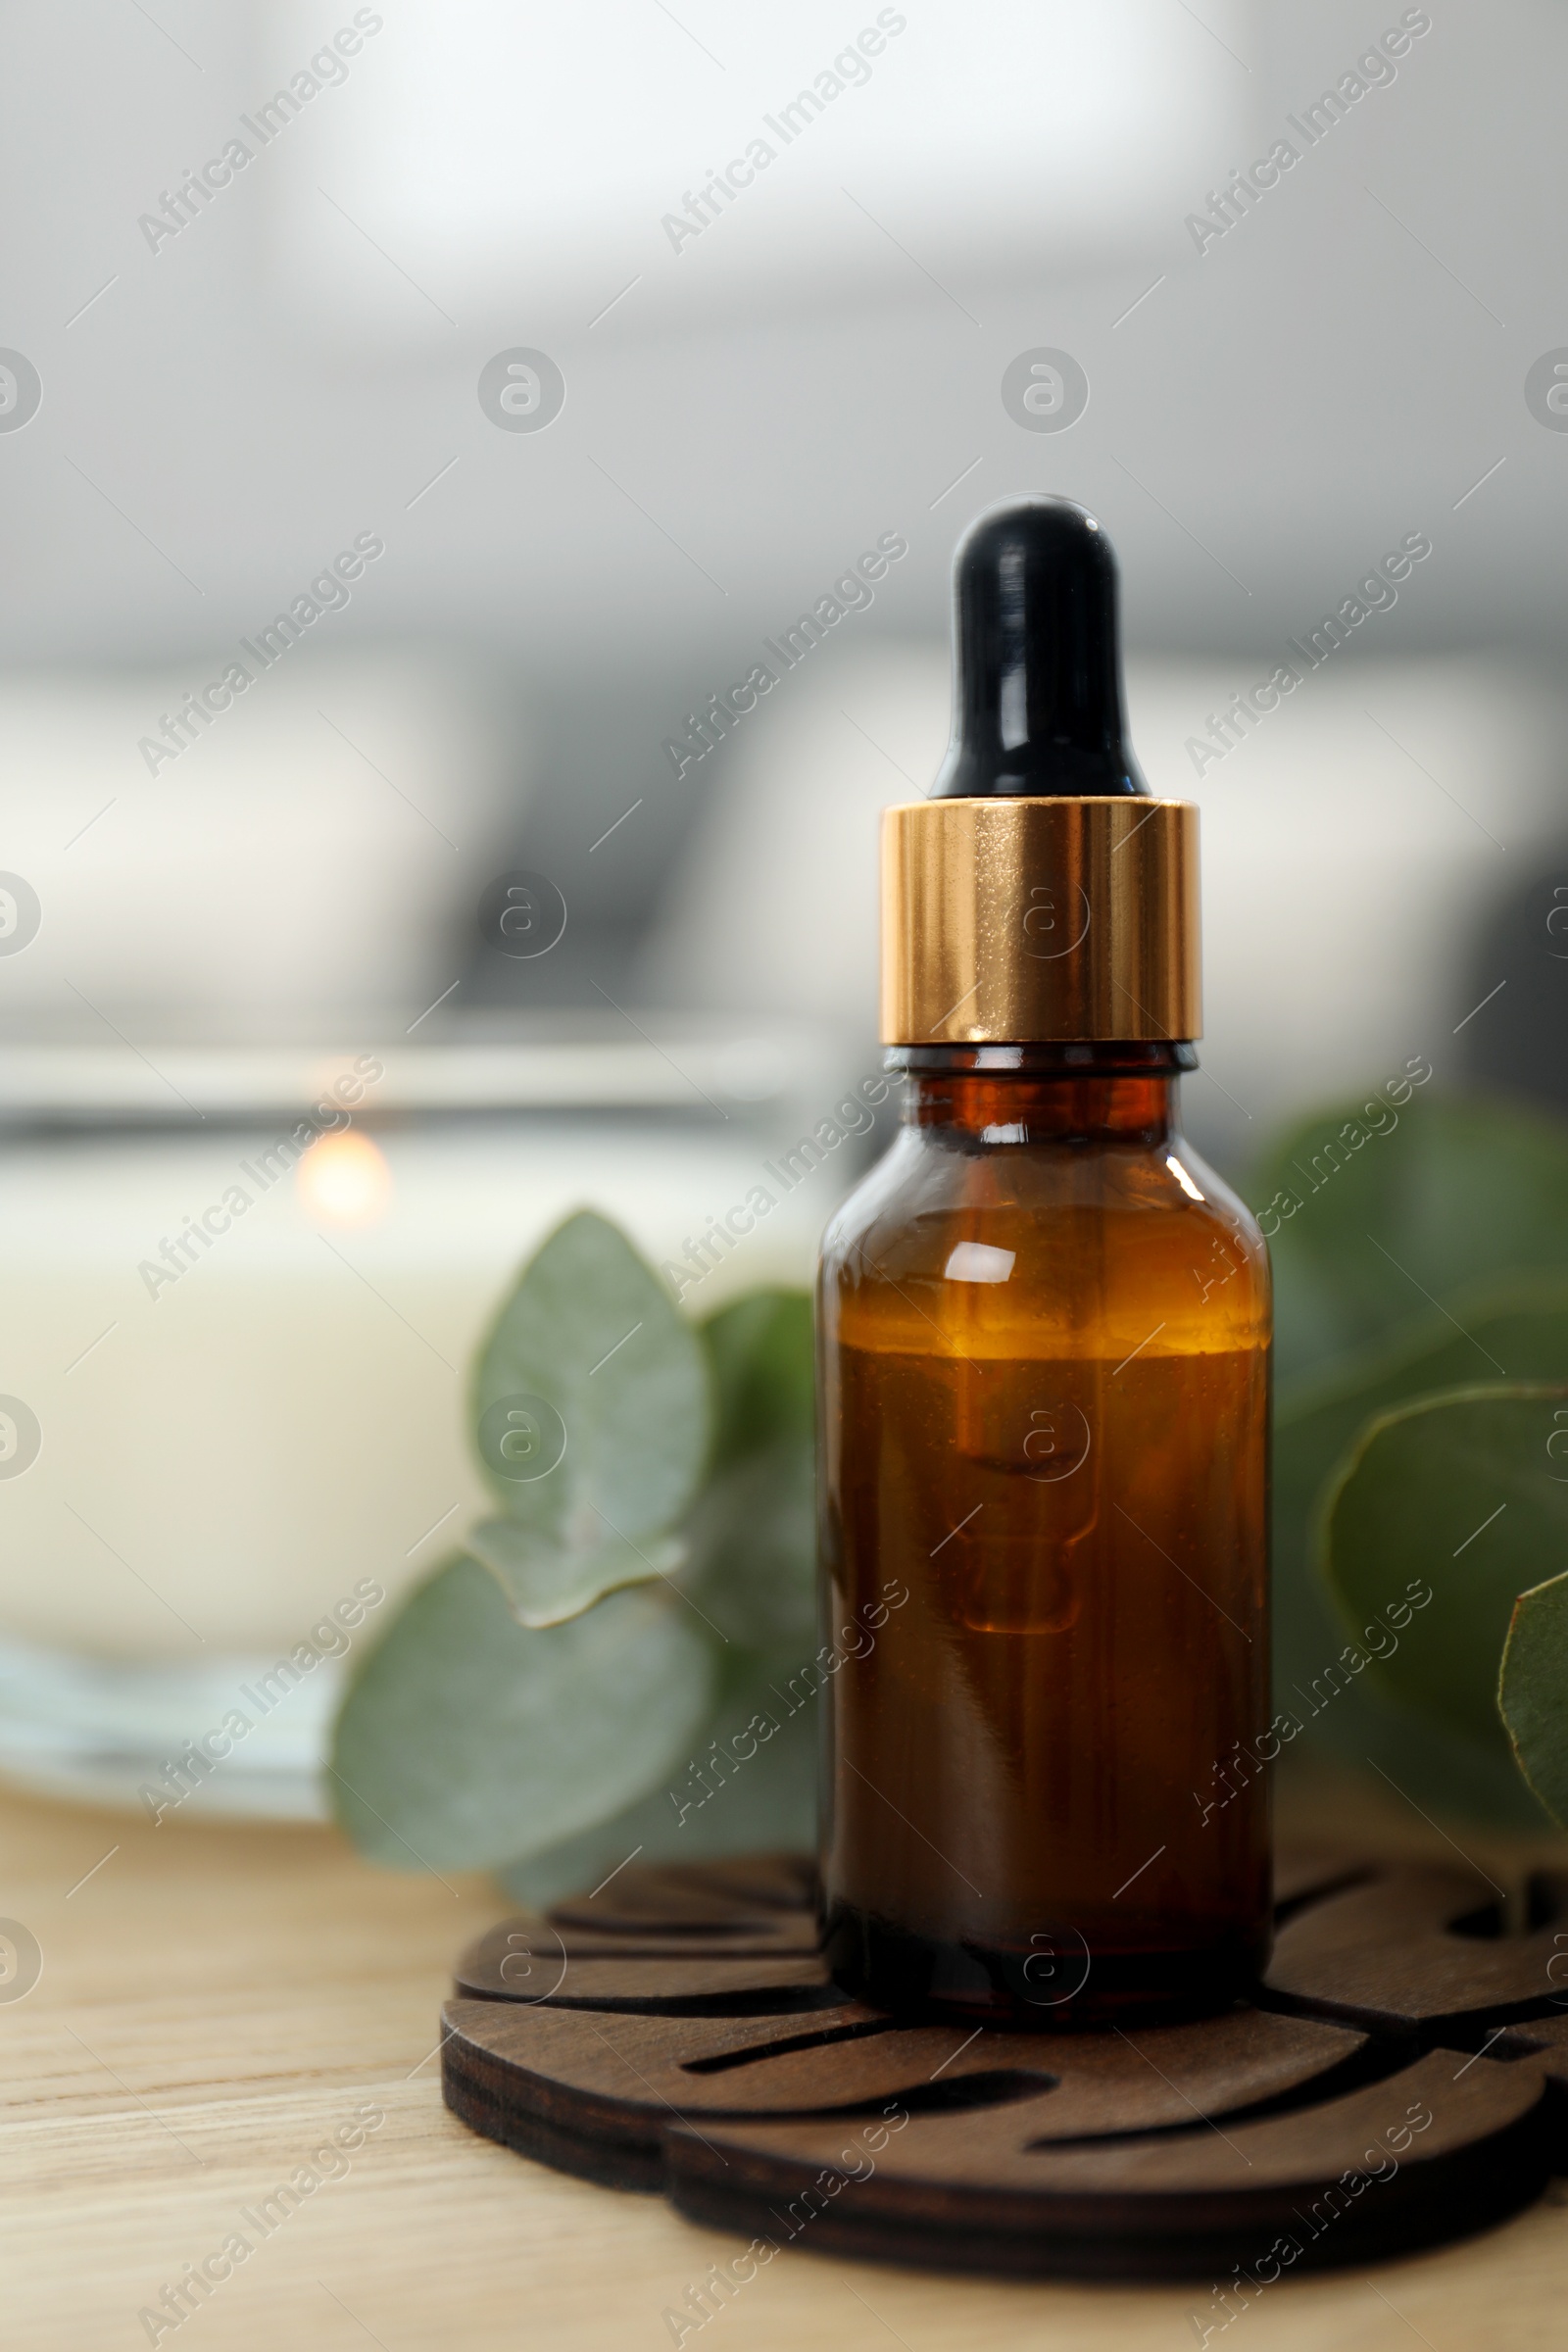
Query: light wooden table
point(215, 2002)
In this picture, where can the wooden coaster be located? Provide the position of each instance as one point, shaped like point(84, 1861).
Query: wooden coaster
point(1402, 2080)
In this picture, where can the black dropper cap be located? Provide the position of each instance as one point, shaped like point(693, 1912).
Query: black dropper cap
point(1037, 677)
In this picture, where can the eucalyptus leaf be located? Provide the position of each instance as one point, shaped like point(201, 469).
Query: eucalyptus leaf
point(1377, 1211)
point(764, 1378)
point(466, 1739)
point(768, 1803)
point(590, 1361)
point(547, 1585)
point(1462, 1494)
point(1533, 1692)
point(753, 1550)
point(1505, 1333)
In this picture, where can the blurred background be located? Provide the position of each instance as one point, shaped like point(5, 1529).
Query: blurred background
point(416, 423)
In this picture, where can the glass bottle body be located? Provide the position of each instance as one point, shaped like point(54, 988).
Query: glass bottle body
point(1044, 1335)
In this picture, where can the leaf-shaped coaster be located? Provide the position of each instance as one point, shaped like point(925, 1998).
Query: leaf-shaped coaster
point(1230, 2149)
point(482, 1740)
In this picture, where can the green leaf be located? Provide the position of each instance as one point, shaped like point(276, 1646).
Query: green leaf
point(754, 1547)
point(1450, 1192)
point(1533, 1692)
point(591, 1334)
point(1457, 1495)
point(547, 1585)
point(765, 1803)
point(764, 1378)
point(467, 1741)
point(1505, 1333)
point(752, 1533)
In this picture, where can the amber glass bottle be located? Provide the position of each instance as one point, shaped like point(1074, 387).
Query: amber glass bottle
point(1044, 1334)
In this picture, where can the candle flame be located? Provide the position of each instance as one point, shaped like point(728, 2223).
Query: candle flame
point(344, 1180)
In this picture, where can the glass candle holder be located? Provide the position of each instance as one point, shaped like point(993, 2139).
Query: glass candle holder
point(235, 1347)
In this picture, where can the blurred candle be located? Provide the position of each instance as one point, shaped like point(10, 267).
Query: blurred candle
point(224, 1450)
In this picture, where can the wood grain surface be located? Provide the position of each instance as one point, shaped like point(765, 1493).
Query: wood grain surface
point(216, 2003)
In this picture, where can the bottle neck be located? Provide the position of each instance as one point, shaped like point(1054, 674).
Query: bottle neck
point(1075, 1094)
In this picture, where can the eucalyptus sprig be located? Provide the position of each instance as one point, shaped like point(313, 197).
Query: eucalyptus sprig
point(1421, 1441)
point(569, 1689)
point(539, 1704)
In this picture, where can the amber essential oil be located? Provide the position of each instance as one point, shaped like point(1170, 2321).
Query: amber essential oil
point(1043, 1381)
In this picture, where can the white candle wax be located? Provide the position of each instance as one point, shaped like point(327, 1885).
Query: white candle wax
point(224, 1454)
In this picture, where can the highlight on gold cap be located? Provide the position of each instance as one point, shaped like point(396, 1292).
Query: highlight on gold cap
point(1039, 920)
